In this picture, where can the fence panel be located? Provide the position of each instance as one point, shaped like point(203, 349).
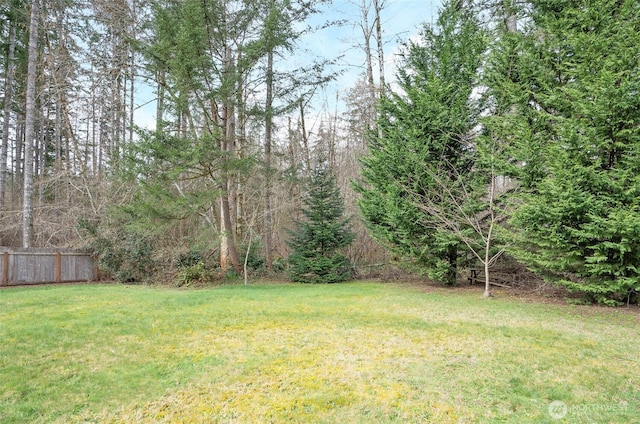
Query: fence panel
point(78, 268)
point(37, 266)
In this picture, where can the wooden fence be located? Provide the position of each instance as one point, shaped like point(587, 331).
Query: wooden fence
point(38, 266)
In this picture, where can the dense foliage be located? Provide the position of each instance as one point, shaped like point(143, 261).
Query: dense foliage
point(554, 141)
point(570, 109)
point(317, 242)
point(422, 141)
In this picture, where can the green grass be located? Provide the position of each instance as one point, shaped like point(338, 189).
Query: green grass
point(347, 353)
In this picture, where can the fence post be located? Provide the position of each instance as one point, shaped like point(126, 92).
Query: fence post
point(58, 267)
point(5, 269)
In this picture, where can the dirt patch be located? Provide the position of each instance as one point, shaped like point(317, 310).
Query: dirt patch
point(540, 293)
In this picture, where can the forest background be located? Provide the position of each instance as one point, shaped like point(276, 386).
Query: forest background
point(510, 130)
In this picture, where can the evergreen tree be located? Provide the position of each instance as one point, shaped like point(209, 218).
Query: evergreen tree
point(568, 90)
point(424, 130)
point(317, 241)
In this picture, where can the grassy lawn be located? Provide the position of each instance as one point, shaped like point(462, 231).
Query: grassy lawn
point(347, 353)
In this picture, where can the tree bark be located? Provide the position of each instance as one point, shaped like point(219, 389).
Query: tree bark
point(227, 245)
point(367, 33)
point(30, 119)
point(268, 242)
point(132, 70)
point(18, 181)
point(510, 17)
point(305, 140)
point(160, 75)
point(377, 5)
point(8, 99)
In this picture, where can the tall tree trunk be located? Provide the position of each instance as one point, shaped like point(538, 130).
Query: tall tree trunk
point(160, 102)
point(240, 142)
point(42, 140)
point(30, 119)
point(18, 182)
point(58, 144)
point(367, 33)
point(510, 16)
point(59, 79)
point(116, 103)
point(132, 70)
point(8, 99)
point(268, 242)
point(305, 141)
point(378, 5)
point(93, 134)
point(228, 245)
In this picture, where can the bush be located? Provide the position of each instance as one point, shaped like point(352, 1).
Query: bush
point(319, 269)
point(124, 254)
point(194, 274)
point(190, 258)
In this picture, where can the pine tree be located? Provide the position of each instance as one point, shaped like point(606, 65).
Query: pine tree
point(317, 241)
point(568, 88)
point(424, 131)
